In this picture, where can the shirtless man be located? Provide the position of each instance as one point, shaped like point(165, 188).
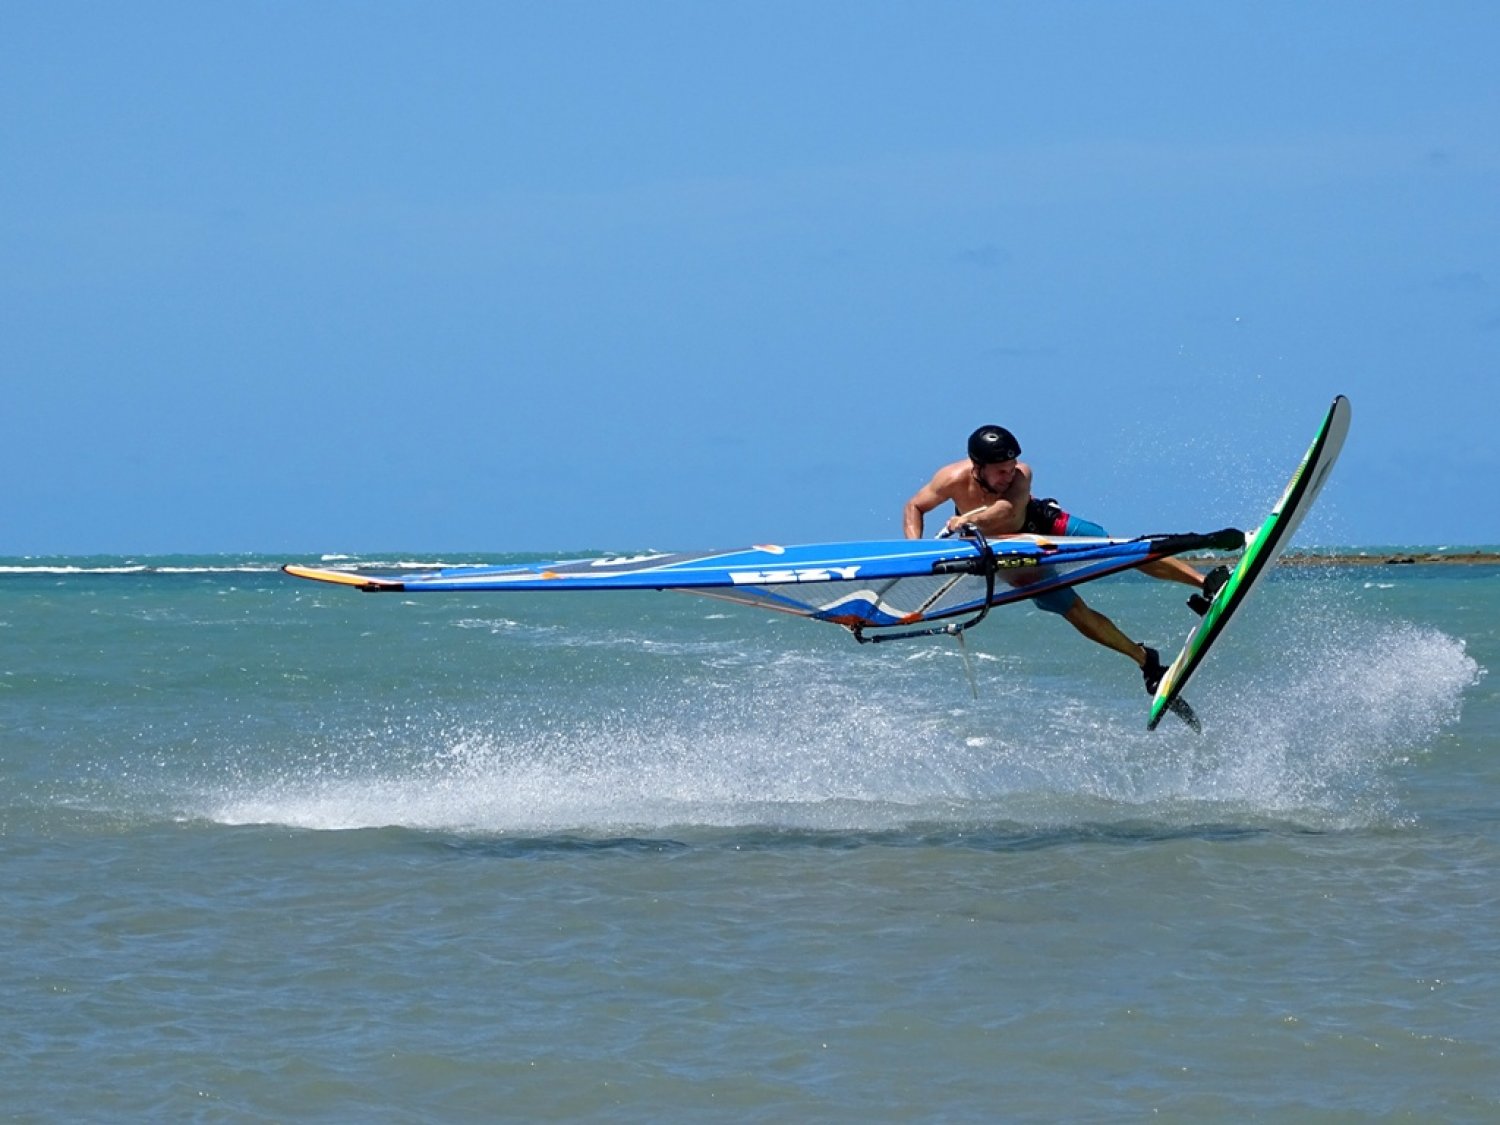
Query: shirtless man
point(992, 491)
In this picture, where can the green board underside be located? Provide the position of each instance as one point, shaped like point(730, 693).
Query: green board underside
point(1261, 551)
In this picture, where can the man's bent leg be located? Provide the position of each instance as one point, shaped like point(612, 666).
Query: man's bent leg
point(1169, 569)
point(1174, 570)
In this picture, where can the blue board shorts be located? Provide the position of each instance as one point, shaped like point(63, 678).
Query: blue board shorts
point(1061, 601)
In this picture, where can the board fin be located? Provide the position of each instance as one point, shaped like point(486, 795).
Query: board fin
point(1184, 711)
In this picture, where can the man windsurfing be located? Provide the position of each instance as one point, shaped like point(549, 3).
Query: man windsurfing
point(992, 491)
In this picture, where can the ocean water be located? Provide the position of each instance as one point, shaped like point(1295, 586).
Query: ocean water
point(271, 851)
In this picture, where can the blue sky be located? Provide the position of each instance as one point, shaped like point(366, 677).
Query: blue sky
point(298, 278)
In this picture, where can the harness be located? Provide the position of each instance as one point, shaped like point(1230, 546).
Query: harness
point(1043, 517)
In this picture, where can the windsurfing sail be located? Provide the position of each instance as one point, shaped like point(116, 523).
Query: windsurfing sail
point(879, 590)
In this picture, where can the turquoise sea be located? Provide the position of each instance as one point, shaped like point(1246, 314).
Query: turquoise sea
point(277, 852)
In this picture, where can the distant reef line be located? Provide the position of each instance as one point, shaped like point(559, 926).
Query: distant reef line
point(1408, 558)
point(1383, 558)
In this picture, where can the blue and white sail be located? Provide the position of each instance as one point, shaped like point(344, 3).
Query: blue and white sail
point(876, 585)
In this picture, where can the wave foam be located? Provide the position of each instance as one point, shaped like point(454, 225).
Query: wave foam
point(1311, 742)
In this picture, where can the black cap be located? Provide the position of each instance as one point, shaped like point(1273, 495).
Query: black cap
point(990, 444)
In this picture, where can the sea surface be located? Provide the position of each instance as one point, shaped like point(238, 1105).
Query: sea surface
point(271, 851)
